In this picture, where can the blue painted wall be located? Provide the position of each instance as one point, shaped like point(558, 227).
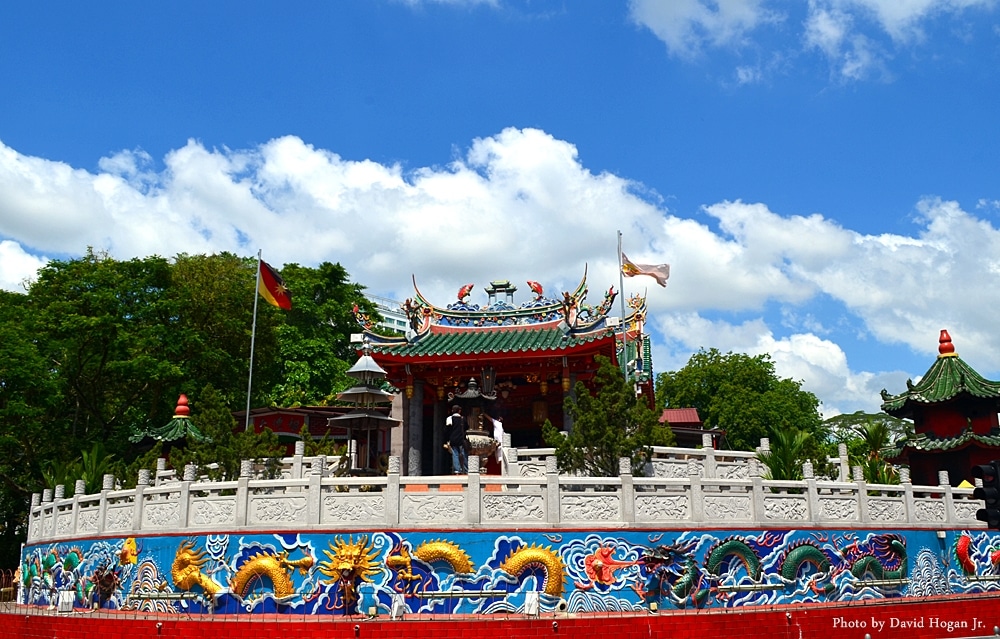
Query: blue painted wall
point(352, 573)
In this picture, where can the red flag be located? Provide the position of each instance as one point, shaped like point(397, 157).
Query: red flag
point(272, 288)
point(660, 272)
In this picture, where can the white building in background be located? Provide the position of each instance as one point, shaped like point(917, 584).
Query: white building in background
point(393, 316)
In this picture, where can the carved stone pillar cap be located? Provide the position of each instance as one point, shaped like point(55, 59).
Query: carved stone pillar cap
point(60, 491)
point(143, 479)
point(189, 472)
point(624, 466)
point(300, 448)
point(108, 482)
point(80, 488)
point(551, 464)
point(46, 495)
point(473, 464)
point(395, 465)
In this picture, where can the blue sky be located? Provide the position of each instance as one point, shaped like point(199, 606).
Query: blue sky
point(821, 175)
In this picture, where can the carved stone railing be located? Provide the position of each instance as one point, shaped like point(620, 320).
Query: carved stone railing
point(719, 488)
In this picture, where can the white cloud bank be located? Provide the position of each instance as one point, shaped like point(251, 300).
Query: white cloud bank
point(857, 37)
point(520, 205)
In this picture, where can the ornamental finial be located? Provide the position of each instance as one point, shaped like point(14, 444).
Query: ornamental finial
point(182, 409)
point(945, 347)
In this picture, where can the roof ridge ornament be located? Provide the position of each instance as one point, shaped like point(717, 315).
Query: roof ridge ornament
point(945, 347)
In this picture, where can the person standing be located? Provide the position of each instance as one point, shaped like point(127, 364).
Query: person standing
point(498, 435)
point(456, 440)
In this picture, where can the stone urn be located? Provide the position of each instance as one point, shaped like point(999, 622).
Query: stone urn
point(480, 443)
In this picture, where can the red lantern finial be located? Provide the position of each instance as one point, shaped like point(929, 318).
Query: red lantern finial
point(182, 409)
point(945, 347)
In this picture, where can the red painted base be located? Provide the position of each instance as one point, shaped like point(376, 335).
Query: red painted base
point(930, 618)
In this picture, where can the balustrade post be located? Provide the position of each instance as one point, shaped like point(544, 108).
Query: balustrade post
point(107, 485)
point(553, 506)
point(628, 489)
point(161, 467)
point(473, 492)
point(812, 491)
point(949, 499)
point(314, 498)
point(60, 492)
point(141, 484)
point(79, 488)
point(708, 449)
point(243, 491)
point(845, 464)
point(909, 505)
point(862, 488)
point(190, 473)
point(300, 451)
point(697, 497)
point(757, 507)
point(392, 492)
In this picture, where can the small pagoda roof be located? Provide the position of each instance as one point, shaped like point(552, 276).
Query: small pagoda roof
point(923, 442)
point(947, 378)
point(496, 342)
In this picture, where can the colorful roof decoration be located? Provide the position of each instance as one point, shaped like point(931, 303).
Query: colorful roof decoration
point(179, 427)
point(497, 342)
point(926, 442)
point(949, 377)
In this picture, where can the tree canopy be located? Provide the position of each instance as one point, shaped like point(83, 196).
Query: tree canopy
point(743, 396)
point(98, 349)
point(608, 425)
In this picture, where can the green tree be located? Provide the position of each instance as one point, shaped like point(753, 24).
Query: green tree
point(314, 337)
point(783, 460)
point(212, 300)
point(101, 326)
point(743, 396)
point(611, 424)
point(227, 445)
point(867, 437)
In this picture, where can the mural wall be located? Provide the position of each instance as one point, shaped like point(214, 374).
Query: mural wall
point(491, 572)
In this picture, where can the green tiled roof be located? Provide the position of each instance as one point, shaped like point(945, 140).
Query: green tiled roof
point(474, 342)
point(947, 378)
point(925, 443)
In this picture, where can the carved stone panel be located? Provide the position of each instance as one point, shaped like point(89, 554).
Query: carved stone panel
point(513, 507)
point(886, 510)
point(786, 508)
point(732, 471)
point(119, 518)
point(728, 507)
point(353, 508)
point(208, 512)
point(281, 510)
point(649, 508)
point(670, 470)
point(590, 507)
point(838, 508)
point(967, 509)
point(161, 515)
point(47, 524)
point(532, 469)
point(64, 524)
point(86, 521)
point(432, 508)
point(929, 510)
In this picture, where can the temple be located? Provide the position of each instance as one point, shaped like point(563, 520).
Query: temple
point(954, 413)
point(519, 362)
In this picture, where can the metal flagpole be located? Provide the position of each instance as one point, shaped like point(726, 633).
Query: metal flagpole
point(253, 337)
point(621, 293)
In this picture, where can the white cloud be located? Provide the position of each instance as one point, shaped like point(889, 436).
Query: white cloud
point(858, 38)
point(17, 266)
point(520, 205)
point(688, 26)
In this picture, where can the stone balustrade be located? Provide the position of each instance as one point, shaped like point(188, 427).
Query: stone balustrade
point(686, 489)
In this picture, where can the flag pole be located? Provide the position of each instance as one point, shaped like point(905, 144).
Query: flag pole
point(253, 338)
point(621, 293)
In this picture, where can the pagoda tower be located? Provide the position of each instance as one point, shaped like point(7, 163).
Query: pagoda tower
point(954, 413)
